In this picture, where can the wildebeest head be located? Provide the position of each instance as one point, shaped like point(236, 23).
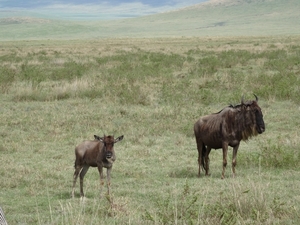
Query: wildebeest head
point(108, 146)
point(254, 113)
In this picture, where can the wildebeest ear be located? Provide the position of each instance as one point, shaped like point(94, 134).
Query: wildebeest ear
point(97, 137)
point(119, 139)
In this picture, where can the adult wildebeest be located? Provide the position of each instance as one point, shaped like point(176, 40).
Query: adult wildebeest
point(227, 128)
point(97, 153)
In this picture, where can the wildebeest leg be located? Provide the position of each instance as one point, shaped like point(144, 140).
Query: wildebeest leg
point(108, 179)
point(100, 169)
point(234, 154)
point(199, 147)
point(225, 149)
point(76, 173)
point(82, 174)
point(207, 160)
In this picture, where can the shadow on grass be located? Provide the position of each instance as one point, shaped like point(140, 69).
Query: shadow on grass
point(183, 173)
point(193, 173)
point(67, 195)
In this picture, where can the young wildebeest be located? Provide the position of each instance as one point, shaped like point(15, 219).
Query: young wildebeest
point(97, 153)
point(227, 128)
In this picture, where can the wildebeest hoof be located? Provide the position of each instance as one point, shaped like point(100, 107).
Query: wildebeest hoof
point(83, 198)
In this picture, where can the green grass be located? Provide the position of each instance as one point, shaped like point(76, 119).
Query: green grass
point(211, 19)
point(54, 94)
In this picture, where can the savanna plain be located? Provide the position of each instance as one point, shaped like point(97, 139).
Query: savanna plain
point(55, 94)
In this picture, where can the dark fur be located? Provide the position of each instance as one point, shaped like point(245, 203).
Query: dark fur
point(227, 128)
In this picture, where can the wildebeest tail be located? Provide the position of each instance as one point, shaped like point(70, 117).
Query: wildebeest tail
point(76, 163)
point(203, 156)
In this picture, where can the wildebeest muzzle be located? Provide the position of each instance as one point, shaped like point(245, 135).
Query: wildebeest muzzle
point(260, 122)
point(261, 129)
point(109, 155)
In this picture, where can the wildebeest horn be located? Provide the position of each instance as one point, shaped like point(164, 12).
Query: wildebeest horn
point(242, 100)
point(256, 98)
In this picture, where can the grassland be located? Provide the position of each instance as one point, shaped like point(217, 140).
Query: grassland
point(54, 94)
point(224, 18)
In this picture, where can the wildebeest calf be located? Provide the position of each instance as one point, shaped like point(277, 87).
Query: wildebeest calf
point(97, 153)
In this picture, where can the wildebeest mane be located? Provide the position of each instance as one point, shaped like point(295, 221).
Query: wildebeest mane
point(245, 120)
point(241, 118)
point(229, 106)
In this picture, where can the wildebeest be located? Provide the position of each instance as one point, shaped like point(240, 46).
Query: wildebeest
point(227, 128)
point(97, 153)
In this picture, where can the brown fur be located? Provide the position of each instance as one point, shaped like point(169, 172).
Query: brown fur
point(97, 153)
point(227, 128)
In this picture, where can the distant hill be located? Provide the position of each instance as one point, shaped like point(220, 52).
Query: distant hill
point(212, 18)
